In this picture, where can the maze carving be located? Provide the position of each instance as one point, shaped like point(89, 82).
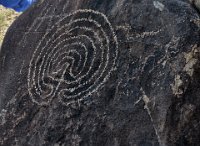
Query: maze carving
point(73, 59)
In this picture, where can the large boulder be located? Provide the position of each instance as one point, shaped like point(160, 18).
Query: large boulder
point(102, 73)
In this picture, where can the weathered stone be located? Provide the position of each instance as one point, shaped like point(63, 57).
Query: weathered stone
point(101, 73)
point(195, 3)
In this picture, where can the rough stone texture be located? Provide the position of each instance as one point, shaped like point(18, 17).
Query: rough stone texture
point(196, 4)
point(102, 73)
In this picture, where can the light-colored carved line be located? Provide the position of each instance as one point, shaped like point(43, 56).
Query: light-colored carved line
point(55, 47)
point(53, 42)
point(78, 44)
point(111, 68)
point(44, 13)
point(22, 66)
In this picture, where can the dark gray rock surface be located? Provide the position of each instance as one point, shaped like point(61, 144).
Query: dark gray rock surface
point(102, 73)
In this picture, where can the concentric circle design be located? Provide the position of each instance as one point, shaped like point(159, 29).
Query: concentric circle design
point(73, 59)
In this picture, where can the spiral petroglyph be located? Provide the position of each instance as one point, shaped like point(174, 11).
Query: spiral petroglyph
point(73, 59)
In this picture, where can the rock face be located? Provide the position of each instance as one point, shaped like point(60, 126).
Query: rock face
point(102, 73)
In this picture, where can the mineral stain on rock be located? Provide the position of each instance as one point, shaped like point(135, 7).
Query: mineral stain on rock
point(101, 73)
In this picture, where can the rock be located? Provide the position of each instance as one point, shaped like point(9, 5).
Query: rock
point(196, 4)
point(101, 73)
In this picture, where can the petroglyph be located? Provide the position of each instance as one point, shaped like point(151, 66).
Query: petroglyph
point(73, 59)
point(158, 5)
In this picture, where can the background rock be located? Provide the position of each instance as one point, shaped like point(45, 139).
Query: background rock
point(147, 94)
